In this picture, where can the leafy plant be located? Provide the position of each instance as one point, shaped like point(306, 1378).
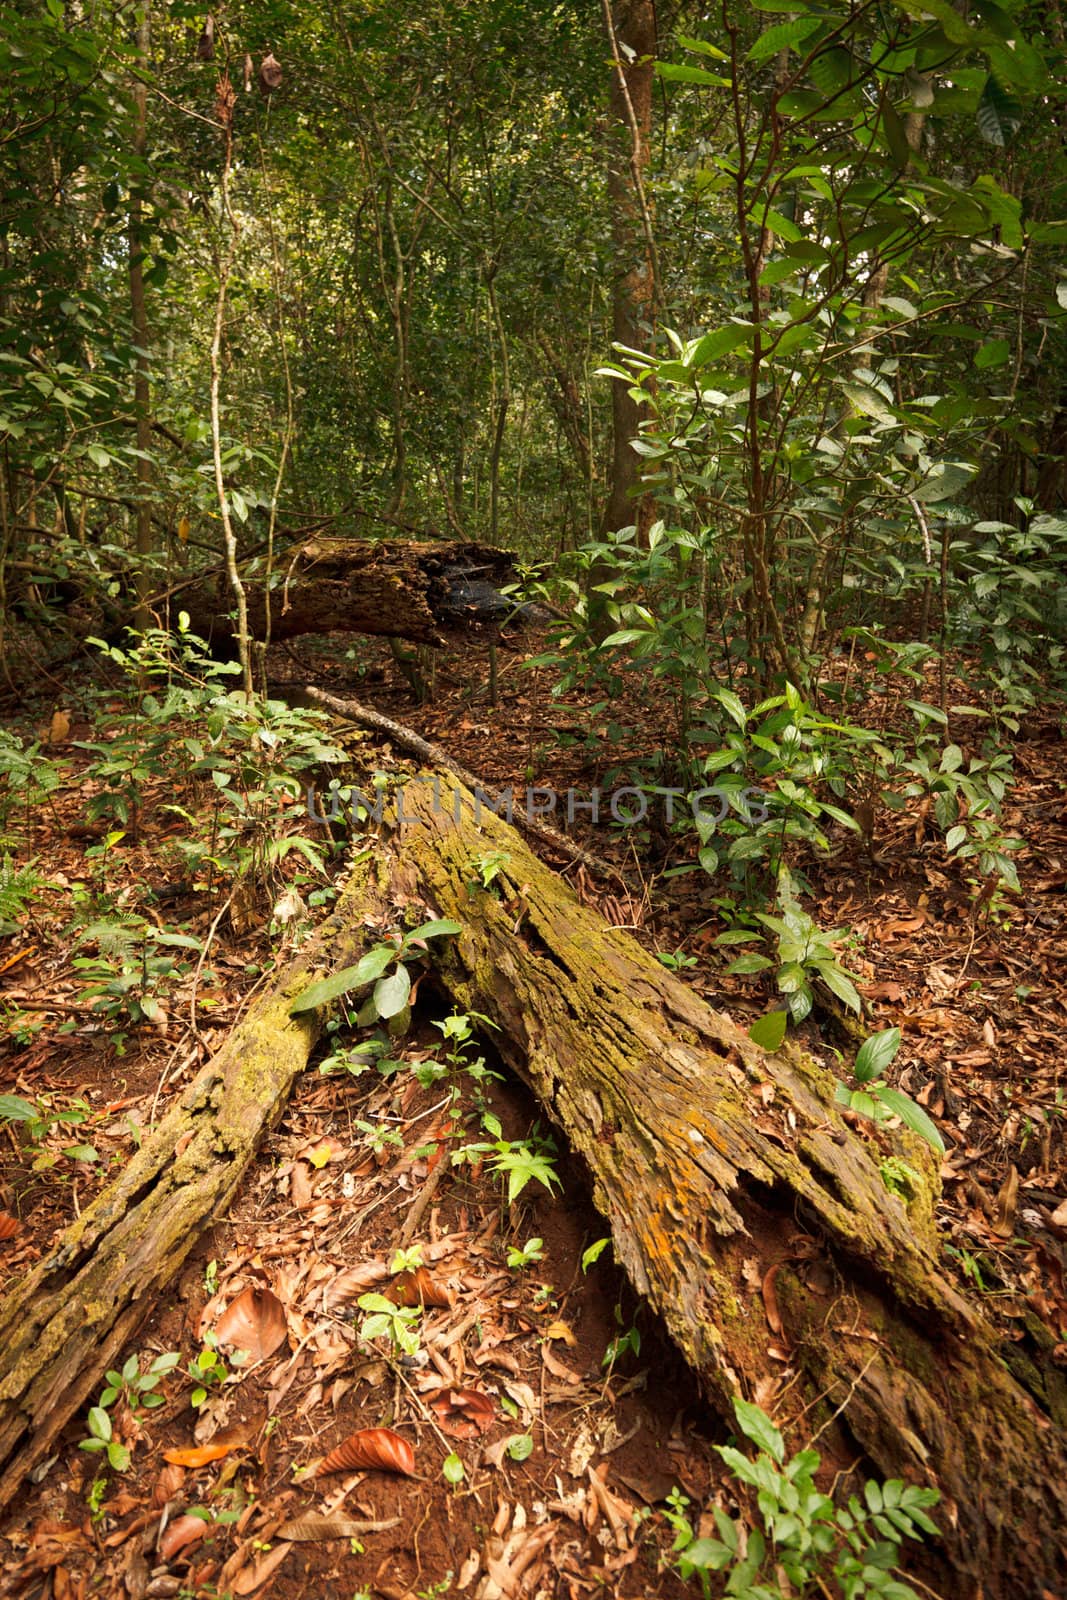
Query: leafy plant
point(802, 1534)
point(487, 868)
point(805, 954)
point(525, 1255)
point(875, 1099)
point(38, 1118)
point(385, 967)
point(398, 1324)
point(209, 1369)
point(134, 1389)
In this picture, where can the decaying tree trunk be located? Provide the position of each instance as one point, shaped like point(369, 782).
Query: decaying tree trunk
point(742, 1207)
point(69, 1318)
point(747, 1213)
point(425, 593)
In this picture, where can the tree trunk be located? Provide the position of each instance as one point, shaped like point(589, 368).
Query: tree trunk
point(425, 593)
point(631, 27)
point(142, 399)
point(69, 1318)
point(745, 1210)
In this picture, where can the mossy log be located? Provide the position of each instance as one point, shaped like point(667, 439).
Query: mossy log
point(424, 593)
point(64, 1323)
point(743, 1208)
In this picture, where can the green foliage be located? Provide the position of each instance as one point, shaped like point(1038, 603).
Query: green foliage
point(801, 1534)
point(875, 1099)
point(39, 1118)
point(130, 1388)
point(806, 954)
point(398, 1324)
point(384, 967)
point(18, 885)
point(209, 1370)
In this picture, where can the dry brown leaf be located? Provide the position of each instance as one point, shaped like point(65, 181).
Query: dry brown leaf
point(463, 1413)
point(417, 1289)
point(1004, 1224)
point(180, 1535)
point(255, 1322)
point(356, 1281)
point(303, 1530)
point(9, 1225)
point(557, 1369)
point(270, 74)
point(167, 1485)
point(248, 1581)
point(770, 1299)
point(376, 1449)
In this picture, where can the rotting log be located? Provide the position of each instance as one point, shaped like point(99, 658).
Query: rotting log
point(424, 593)
point(744, 1209)
point(67, 1320)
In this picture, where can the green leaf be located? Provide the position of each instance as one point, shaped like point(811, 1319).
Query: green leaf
point(702, 47)
point(999, 115)
point(679, 72)
point(993, 354)
point(731, 704)
point(439, 929)
point(757, 1426)
point(99, 1423)
point(520, 1446)
point(391, 993)
point(912, 1116)
point(839, 983)
point(744, 966)
point(769, 1031)
point(594, 1253)
point(720, 343)
point(875, 1054)
point(783, 36)
point(452, 1469)
point(371, 966)
point(14, 1109)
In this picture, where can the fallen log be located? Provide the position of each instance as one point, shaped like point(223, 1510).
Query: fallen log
point(64, 1323)
point(424, 593)
point(742, 1207)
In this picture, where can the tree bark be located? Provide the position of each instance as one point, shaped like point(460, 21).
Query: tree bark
point(68, 1319)
point(409, 590)
point(744, 1209)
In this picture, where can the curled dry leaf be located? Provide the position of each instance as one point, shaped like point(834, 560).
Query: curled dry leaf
point(9, 1225)
point(255, 1322)
point(180, 1535)
point(270, 74)
point(248, 1581)
point(463, 1413)
point(167, 1485)
point(376, 1449)
point(417, 1289)
point(205, 45)
point(356, 1281)
point(303, 1530)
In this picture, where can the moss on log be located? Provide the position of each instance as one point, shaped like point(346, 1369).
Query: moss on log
point(65, 1322)
point(752, 1218)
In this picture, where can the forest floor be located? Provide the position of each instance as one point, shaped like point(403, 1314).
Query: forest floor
point(548, 1414)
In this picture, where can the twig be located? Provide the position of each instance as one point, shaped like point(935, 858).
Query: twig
point(416, 745)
